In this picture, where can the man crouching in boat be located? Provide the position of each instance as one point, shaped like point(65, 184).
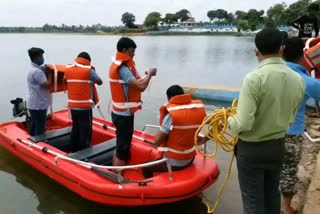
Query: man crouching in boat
point(126, 86)
point(82, 96)
point(179, 121)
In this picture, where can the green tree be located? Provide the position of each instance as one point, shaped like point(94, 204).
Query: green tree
point(255, 18)
point(183, 15)
point(242, 25)
point(211, 14)
point(46, 28)
point(170, 18)
point(230, 18)
point(128, 20)
point(221, 14)
point(241, 15)
point(276, 13)
point(222, 22)
point(295, 10)
point(152, 19)
point(268, 22)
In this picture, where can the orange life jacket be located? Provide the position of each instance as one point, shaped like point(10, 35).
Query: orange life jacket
point(187, 115)
point(57, 78)
point(78, 81)
point(312, 56)
point(119, 101)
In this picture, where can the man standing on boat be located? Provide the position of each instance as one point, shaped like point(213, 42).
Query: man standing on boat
point(179, 121)
point(126, 86)
point(82, 96)
point(269, 99)
point(307, 23)
point(293, 55)
point(38, 94)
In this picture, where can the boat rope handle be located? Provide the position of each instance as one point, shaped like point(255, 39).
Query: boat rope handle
point(214, 128)
point(89, 165)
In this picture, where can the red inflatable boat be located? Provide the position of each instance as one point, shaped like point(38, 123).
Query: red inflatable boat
point(89, 172)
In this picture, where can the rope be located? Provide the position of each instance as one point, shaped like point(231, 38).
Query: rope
point(18, 115)
point(214, 128)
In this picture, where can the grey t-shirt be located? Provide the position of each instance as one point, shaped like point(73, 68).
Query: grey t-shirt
point(38, 98)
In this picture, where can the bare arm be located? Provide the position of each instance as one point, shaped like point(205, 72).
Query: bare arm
point(141, 85)
point(47, 84)
point(202, 140)
point(160, 138)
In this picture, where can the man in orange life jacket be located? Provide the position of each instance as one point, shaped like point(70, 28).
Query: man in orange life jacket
point(179, 121)
point(82, 95)
point(126, 87)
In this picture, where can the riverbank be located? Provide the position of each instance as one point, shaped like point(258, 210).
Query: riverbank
point(185, 33)
point(151, 33)
point(307, 200)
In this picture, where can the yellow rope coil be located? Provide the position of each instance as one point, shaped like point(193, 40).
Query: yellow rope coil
point(214, 127)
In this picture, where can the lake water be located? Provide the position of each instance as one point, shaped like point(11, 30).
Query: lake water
point(183, 60)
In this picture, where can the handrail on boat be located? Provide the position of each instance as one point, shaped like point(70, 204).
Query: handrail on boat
point(91, 165)
point(105, 126)
point(150, 126)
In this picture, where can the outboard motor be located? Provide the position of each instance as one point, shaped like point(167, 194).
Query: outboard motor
point(19, 107)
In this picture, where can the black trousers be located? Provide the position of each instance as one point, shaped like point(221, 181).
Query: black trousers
point(38, 122)
point(124, 132)
point(81, 133)
point(259, 165)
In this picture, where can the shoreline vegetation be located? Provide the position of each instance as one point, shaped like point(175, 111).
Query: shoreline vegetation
point(135, 33)
point(219, 22)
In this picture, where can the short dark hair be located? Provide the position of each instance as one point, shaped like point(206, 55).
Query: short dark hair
point(268, 41)
point(313, 7)
point(35, 52)
point(293, 49)
point(84, 55)
point(174, 91)
point(125, 43)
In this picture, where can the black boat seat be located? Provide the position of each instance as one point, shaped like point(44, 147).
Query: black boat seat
point(52, 135)
point(101, 153)
point(60, 139)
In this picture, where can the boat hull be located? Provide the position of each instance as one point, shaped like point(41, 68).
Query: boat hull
point(92, 186)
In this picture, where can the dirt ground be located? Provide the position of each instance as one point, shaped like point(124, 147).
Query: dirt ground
point(307, 201)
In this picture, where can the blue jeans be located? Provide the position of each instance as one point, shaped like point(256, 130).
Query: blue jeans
point(38, 122)
point(259, 165)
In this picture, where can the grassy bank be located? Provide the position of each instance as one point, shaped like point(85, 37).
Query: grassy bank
point(137, 32)
point(175, 33)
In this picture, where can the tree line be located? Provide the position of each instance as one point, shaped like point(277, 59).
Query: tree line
point(276, 15)
point(54, 28)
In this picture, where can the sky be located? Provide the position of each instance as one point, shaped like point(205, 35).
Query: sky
point(108, 12)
